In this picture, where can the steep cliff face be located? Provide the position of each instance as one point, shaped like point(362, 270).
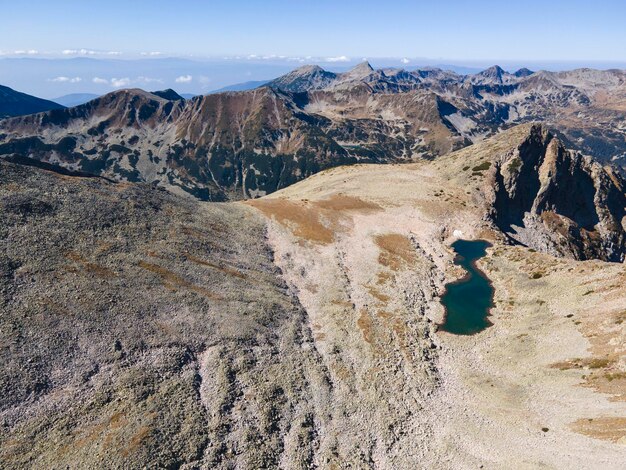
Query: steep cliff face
point(558, 201)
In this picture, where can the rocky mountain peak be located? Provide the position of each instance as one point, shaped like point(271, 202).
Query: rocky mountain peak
point(307, 77)
point(523, 72)
point(360, 71)
point(364, 66)
point(493, 75)
point(307, 69)
point(168, 94)
point(495, 71)
point(558, 201)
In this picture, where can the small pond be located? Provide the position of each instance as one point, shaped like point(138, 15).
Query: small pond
point(468, 300)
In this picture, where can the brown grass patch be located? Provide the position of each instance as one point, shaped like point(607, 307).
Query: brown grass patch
point(401, 331)
point(92, 435)
point(304, 220)
point(136, 440)
point(555, 222)
point(12, 187)
point(384, 315)
point(173, 280)
point(378, 295)
point(101, 247)
point(315, 221)
point(341, 202)
point(194, 233)
point(116, 421)
point(342, 303)
point(605, 428)
point(587, 363)
point(223, 269)
point(383, 277)
point(396, 251)
point(341, 371)
point(93, 268)
point(365, 324)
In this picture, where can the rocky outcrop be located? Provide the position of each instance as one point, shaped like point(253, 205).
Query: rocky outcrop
point(558, 201)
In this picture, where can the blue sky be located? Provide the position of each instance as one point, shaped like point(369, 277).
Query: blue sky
point(57, 47)
point(452, 29)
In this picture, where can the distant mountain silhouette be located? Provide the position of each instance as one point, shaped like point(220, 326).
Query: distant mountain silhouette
point(242, 86)
point(75, 99)
point(14, 103)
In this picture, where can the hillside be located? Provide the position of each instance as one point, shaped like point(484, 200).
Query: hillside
point(301, 329)
point(14, 103)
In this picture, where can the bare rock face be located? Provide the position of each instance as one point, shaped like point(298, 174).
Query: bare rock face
point(559, 201)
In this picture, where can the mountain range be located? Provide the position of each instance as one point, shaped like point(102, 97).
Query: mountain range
point(237, 145)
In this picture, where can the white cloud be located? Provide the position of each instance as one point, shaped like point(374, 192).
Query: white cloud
point(341, 58)
point(66, 79)
point(27, 52)
point(120, 82)
point(88, 52)
point(78, 52)
point(184, 79)
point(405, 61)
point(124, 82)
point(149, 80)
point(153, 53)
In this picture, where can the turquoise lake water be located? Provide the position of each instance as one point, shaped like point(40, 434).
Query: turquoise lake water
point(468, 300)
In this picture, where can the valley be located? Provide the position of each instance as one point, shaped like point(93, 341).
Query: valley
point(313, 235)
point(301, 329)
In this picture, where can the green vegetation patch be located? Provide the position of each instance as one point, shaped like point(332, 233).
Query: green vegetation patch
point(515, 164)
point(482, 167)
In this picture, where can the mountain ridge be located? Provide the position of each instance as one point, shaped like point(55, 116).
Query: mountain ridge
point(248, 143)
point(14, 103)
